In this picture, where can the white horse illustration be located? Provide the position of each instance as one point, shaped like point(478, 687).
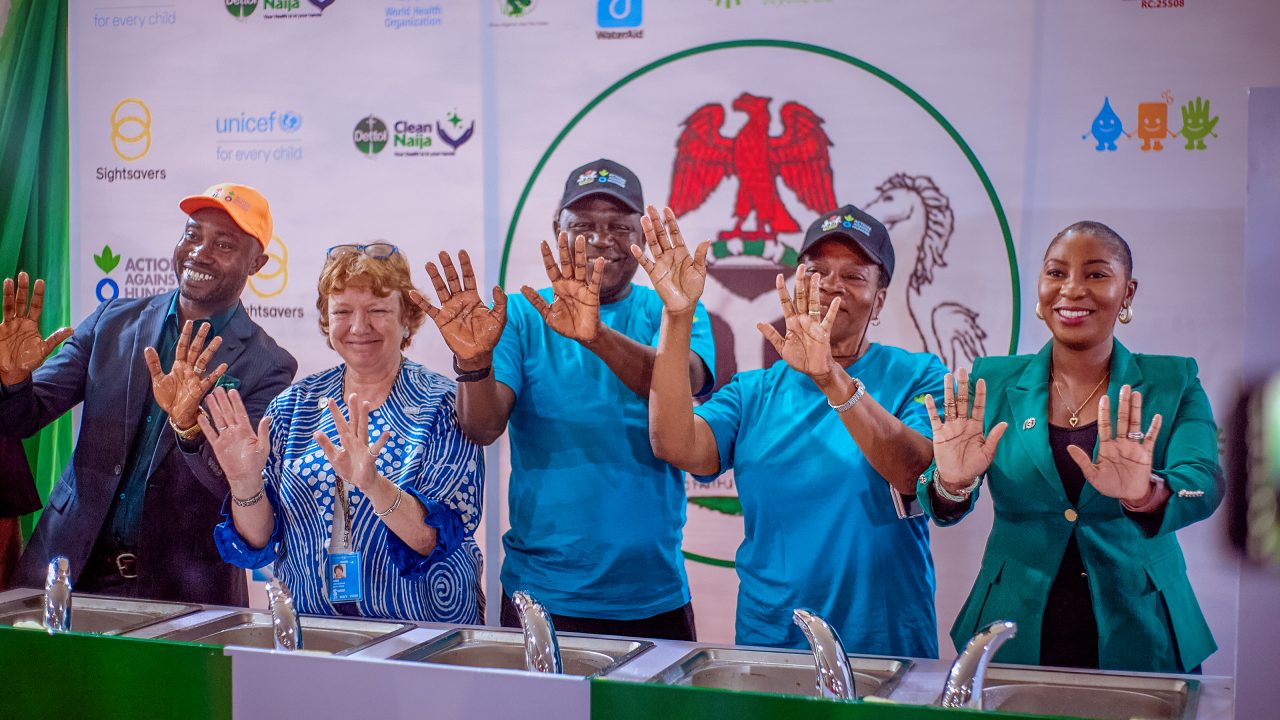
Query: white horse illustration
point(919, 217)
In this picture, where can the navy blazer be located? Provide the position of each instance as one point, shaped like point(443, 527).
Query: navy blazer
point(102, 366)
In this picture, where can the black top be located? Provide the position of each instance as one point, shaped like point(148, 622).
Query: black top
point(1069, 631)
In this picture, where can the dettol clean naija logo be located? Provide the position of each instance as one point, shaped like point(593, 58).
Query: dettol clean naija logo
point(241, 8)
point(370, 136)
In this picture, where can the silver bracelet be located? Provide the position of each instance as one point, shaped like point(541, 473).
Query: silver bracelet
point(858, 391)
point(394, 505)
point(252, 500)
point(944, 493)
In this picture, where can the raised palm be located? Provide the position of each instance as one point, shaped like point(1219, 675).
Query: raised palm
point(1123, 467)
point(180, 391)
point(469, 327)
point(807, 345)
point(22, 349)
point(355, 457)
point(960, 450)
point(677, 276)
point(241, 452)
point(574, 310)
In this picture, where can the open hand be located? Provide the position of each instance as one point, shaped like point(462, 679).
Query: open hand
point(1123, 469)
point(807, 345)
point(469, 327)
point(960, 450)
point(22, 349)
point(574, 311)
point(180, 391)
point(677, 277)
point(354, 458)
point(241, 452)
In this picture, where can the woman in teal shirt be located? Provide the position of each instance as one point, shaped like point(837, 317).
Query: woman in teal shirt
point(825, 445)
point(1082, 553)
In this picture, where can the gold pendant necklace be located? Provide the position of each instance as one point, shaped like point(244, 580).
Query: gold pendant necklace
point(1075, 414)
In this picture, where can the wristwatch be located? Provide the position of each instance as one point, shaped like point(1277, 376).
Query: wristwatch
point(187, 434)
point(470, 375)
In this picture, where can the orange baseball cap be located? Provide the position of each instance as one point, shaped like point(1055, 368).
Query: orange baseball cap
point(245, 205)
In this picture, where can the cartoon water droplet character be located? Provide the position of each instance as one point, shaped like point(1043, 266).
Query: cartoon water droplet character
point(1106, 128)
point(1197, 123)
point(1153, 125)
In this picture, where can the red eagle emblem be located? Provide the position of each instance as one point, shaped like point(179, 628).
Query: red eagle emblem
point(705, 157)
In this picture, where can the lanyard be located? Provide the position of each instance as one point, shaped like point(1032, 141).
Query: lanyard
point(341, 518)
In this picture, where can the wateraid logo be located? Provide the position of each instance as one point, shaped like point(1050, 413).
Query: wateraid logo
point(370, 136)
point(247, 124)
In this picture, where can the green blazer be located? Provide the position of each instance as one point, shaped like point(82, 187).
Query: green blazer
point(1147, 614)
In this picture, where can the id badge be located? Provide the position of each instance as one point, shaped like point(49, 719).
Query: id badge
point(344, 577)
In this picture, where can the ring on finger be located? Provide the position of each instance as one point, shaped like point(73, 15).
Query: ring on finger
point(1136, 436)
point(200, 370)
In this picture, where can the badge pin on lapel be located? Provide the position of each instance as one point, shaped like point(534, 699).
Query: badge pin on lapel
point(1028, 423)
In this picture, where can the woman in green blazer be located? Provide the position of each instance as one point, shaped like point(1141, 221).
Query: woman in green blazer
point(1082, 553)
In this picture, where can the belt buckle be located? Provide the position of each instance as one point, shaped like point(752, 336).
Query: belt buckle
point(127, 565)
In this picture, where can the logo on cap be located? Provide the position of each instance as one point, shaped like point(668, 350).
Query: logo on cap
point(601, 176)
point(856, 224)
point(831, 223)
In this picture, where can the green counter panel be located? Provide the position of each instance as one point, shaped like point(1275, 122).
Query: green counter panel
point(88, 676)
point(616, 700)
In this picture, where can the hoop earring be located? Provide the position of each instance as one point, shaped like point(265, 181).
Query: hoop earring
point(1126, 315)
point(875, 321)
point(1038, 313)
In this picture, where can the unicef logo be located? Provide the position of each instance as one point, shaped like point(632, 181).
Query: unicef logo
point(290, 122)
point(370, 136)
point(131, 129)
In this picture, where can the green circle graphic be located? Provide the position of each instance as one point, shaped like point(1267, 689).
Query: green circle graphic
point(802, 47)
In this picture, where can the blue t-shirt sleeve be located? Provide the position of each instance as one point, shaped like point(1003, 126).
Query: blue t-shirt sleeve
point(927, 381)
point(508, 356)
point(723, 414)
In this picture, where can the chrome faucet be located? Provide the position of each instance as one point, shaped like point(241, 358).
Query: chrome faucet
point(834, 679)
point(284, 618)
point(57, 596)
point(964, 682)
point(541, 649)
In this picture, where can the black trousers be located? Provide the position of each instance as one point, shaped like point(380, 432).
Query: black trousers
point(671, 625)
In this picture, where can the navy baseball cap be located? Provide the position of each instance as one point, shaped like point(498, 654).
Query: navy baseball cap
point(849, 223)
point(603, 177)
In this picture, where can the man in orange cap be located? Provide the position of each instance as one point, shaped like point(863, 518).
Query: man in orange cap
point(135, 509)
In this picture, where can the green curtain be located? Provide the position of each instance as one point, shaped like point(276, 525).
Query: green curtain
point(34, 186)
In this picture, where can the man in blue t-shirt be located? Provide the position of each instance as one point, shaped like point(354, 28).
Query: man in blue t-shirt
point(825, 446)
point(596, 519)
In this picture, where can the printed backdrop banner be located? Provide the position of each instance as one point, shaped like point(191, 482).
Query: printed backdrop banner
point(974, 131)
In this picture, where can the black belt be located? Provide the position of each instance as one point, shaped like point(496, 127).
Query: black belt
point(115, 563)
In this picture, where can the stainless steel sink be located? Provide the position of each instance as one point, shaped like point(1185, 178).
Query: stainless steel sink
point(776, 671)
point(582, 655)
point(334, 635)
point(98, 614)
point(1089, 695)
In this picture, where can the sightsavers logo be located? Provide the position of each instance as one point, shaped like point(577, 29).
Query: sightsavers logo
point(131, 129)
point(413, 138)
point(130, 133)
point(273, 278)
point(264, 138)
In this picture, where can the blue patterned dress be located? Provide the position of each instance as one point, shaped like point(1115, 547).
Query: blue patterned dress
point(427, 456)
